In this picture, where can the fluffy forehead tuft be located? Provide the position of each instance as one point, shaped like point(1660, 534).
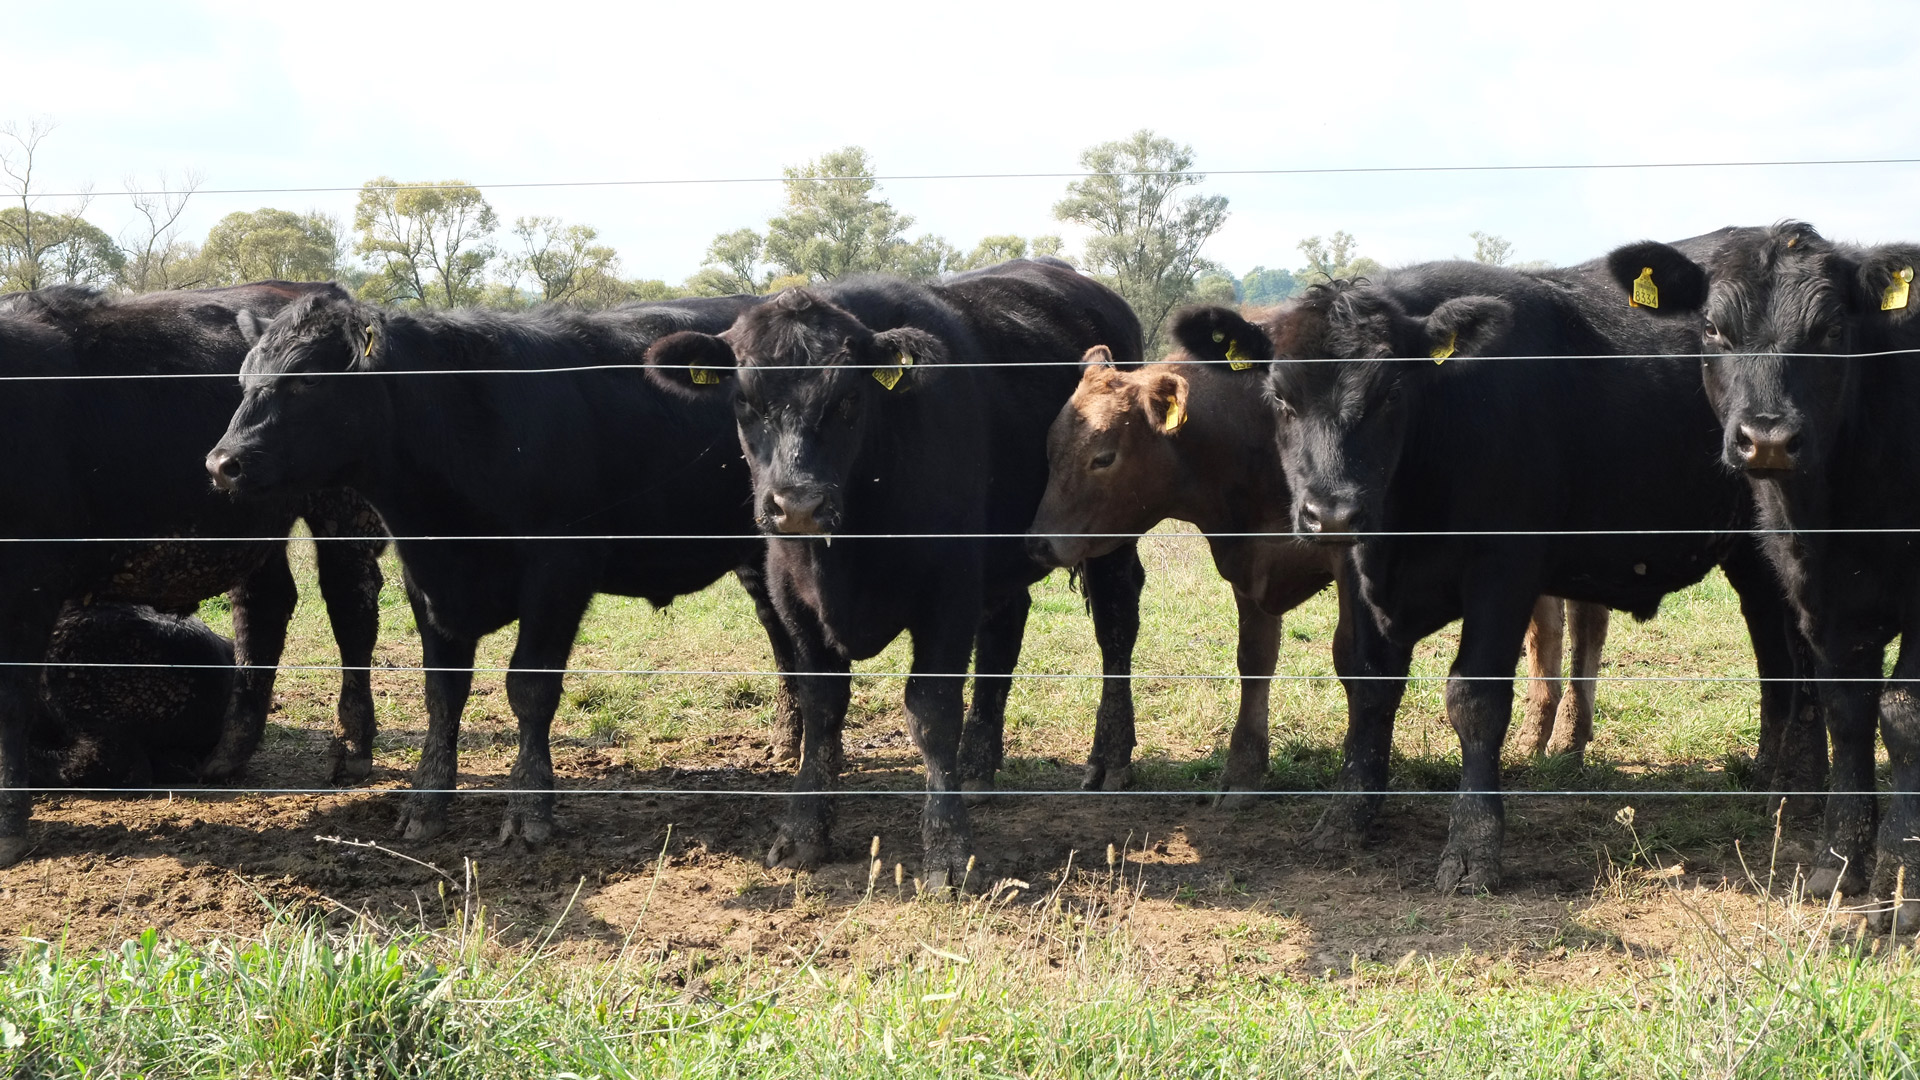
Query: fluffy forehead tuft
point(1106, 398)
point(1777, 285)
point(310, 321)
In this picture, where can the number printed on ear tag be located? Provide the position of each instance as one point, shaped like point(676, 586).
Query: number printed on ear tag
point(1236, 357)
point(1645, 293)
point(1895, 297)
point(704, 376)
point(1440, 354)
point(889, 377)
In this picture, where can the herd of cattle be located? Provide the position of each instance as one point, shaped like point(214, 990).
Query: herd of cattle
point(1519, 450)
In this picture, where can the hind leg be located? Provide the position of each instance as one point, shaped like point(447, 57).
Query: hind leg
point(1249, 748)
point(262, 608)
point(1587, 637)
point(350, 583)
point(1544, 639)
point(997, 650)
point(1114, 582)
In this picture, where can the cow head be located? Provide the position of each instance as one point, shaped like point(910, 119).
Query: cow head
point(307, 416)
point(1783, 308)
point(805, 376)
point(1351, 367)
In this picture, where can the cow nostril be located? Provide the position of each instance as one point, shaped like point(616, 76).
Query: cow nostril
point(1793, 444)
point(1309, 519)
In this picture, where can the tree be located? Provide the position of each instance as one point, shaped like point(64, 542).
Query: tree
point(428, 242)
point(1000, 248)
point(155, 256)
point(1147, 240)
point(835, 226)
point(565, 263)
point(1337, 257)
point(67, 249)
point(1215, 287)
point(1490, 249)
point(264, 244)
point(733, 265)
point(1264, 286)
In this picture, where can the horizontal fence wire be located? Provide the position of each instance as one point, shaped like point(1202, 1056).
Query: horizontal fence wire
point(1198, 361)
point(829, 538)
point(1037, 675)
point(898, 793)
point(1186, 174)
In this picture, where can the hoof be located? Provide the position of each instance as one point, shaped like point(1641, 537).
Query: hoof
point(1119, 779)
point(1577, 753)
point(1463, 870)
point(1829, 881)
point(421, 823)
point(530, 828)
point(976, 792)
point(349, 766)
point(13, 849)
point(791, 853)
point(1236, 799)
point(220, 768)
point(1881, 919)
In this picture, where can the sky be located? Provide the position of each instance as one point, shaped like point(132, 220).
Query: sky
point(251, 95)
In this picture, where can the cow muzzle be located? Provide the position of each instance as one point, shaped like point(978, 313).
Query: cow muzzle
point(1767, 448)
point(225, 469)
point(798, 512)
point(1329, 521)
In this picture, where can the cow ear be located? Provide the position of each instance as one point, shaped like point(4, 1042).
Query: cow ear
point(897, 352)
point(1096, 362)
point(1886, 282)
point(1220, 336)
point(1466, 324)
point(1658, 277)
point(690, 362)
point(1164, 397)
point(252, 327)
point(366, 337)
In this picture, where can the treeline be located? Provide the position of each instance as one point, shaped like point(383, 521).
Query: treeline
point(440, 244)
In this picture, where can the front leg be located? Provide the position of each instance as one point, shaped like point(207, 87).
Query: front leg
point(1113, 583)
point(787, 724)
point(23, 641)
point(449, 679)
point(1248, 748)
point(1896, 868)
point(997, 651)
point(1373, 670)
point(1850, 694)
point(823, 691)
point(350, 583)
point(262, 607)
point(933, 719)
point(1480, 706)
point(1792, 755)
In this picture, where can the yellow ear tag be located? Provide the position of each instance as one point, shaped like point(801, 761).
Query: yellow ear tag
point(1895, 297)
point(703, 376)
point(1175, 417)
point(1440, 354)
point(369, 351)
point(1645, 293)
point(889, 377)
point(1236, 357)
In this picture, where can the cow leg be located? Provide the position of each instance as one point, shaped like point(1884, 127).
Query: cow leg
point(534, 679)
point(1113, 583)
point(1586, 638)
point(1480, 706)
point(787, 733)
point(1544, 638)
point(1896, 866)
point(262, 607)
point(1852, 705)
point(1792, 755)
point(823, 690)
point(1373, 670)
point(996, 651)
point(1248, 748)
point(350, 583)
point(933, 719)
point(449, 679)
point(24, 636)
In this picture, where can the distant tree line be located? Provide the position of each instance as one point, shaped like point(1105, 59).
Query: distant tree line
point(440, 244)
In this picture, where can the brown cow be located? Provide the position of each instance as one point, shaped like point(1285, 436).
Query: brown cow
point(1195, 442)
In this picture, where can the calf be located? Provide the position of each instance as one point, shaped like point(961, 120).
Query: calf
point(154, 720)
point(1812, 363)
point(1191, 439)
point(103, 464)
point(533, 435)
point(1465, 489)
point(864, 410)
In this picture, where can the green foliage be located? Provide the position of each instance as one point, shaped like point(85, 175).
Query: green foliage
point(1215, 287)
point(1335, 257)
point(1490, 249)
point(733, 265)
point(39, 249)
point(429, 242)
point(264, 244)
point(566, 265)
point(1147, 239)
point(1264, 286)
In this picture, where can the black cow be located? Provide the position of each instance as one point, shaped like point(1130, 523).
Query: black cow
point(1589, 433)
point(862, 412)
point(115, 460)
point(444, 421)
point(154, 720)
point(1824, 430)
point(1186, 439)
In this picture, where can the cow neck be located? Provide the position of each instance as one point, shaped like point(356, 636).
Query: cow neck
point(1231, 479)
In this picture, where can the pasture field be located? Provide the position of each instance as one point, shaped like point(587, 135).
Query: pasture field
point(1637, 934)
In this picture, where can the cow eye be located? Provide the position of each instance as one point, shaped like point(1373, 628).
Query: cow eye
point(1102, 460)
point(1835, 332)
point(306, 382)
point(1713, 330)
